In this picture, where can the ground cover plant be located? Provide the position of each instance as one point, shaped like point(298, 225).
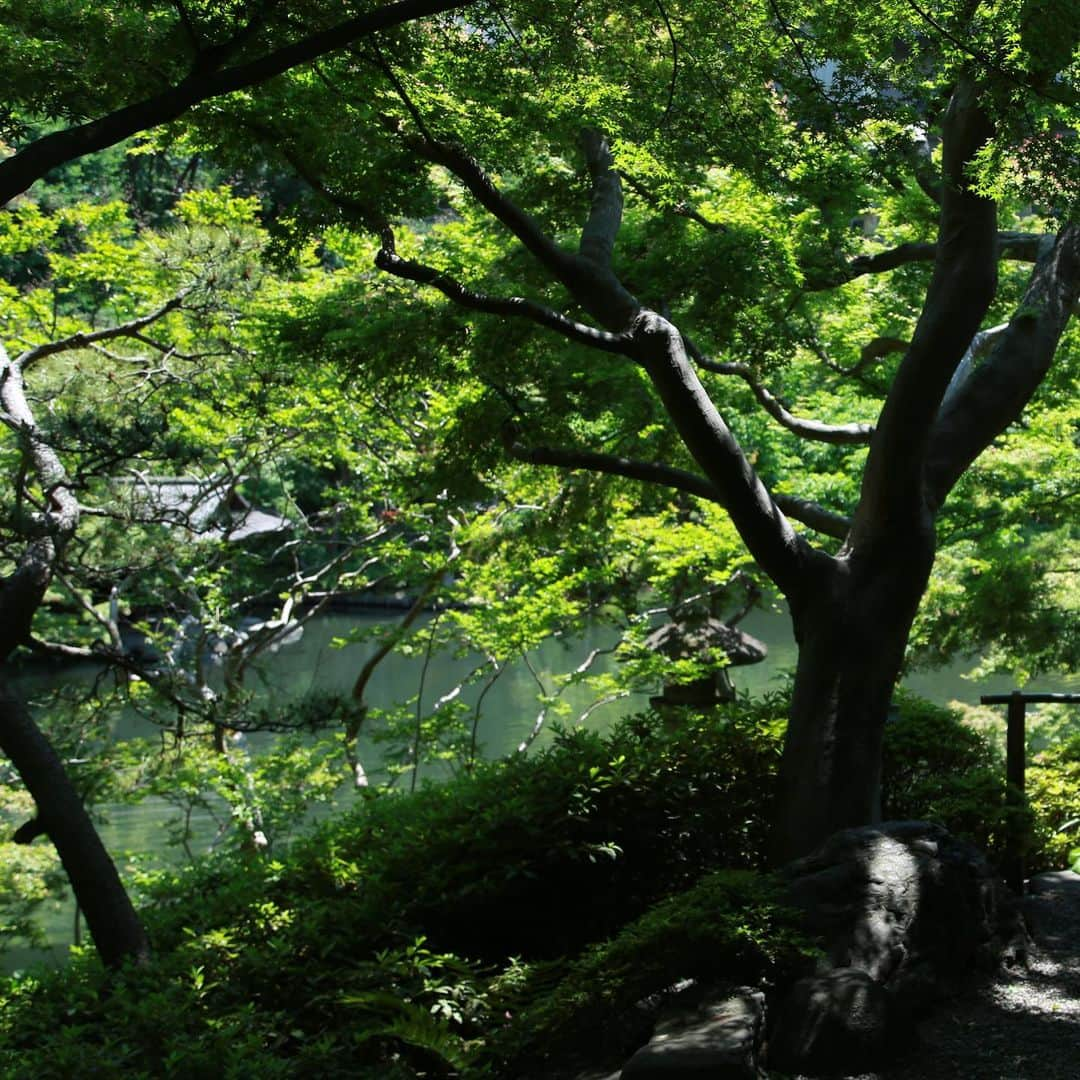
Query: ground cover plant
point(513, 919)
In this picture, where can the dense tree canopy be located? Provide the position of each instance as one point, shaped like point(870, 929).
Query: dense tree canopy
point(806, 272)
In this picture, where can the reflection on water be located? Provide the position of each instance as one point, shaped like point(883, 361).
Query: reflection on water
point(510, 709)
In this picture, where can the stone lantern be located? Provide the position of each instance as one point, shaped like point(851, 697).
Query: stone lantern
point(707, 639)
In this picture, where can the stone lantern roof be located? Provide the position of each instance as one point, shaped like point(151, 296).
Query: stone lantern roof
point(697, 636)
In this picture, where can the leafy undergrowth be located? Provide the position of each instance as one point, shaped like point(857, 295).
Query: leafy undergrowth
point(450, 932)
point(506, 924)
point(937, 769)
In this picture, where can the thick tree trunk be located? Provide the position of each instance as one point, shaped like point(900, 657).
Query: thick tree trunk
point(851, 626)
point(117, 932)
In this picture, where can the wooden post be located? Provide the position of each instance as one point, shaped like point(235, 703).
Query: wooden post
point(1014, 796)
point(1016, 803)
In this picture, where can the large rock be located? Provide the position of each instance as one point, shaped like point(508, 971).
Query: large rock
point(907, 903)
point(717, 1039)
point(906, 913)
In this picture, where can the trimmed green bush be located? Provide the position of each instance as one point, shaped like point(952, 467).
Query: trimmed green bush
point(934, 768)
point(380, 944)
point(728, 929)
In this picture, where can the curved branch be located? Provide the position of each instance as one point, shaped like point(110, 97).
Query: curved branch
point(512, 306)
point(467, 169)
point(114, 925)
point(651, 472)
point(82, 340)
point(204, 81)
point(781, 553)
point(648, 472)
point(837, 434)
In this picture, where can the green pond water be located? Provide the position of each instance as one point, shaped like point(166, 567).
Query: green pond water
point(509, 712)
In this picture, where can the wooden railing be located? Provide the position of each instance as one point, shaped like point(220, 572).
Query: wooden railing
point(1015, 765)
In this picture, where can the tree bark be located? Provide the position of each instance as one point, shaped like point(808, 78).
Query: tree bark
point(851, 624)
point(112, 921)
point(115, 927)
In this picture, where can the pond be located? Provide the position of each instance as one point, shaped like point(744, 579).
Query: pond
point(510, 709)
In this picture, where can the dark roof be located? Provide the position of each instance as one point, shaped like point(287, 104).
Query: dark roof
point(209, 507)
point(700, 638)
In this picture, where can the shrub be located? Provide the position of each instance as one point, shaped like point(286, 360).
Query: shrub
point(378, 945)
point(538, 856)
point(727, 929)
point(1053, 789)
point(934, 768)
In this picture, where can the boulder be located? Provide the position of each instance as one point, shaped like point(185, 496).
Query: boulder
point(906, 913)
point(718, 1039)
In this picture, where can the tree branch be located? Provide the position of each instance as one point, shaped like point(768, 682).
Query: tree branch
point(81, 340)
point(650, 472)
point(815, 430)
point(994, 394)
point(817, 517)
point(32, 162)
point(513, 306)
point(503, 209)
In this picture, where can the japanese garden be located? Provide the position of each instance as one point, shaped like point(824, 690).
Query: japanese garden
point(509, 514)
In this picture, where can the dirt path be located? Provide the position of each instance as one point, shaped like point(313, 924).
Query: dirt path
point(1024, 1024)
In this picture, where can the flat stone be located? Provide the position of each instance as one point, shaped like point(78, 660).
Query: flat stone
point(718, 1039)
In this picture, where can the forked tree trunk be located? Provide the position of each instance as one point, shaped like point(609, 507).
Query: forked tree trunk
point(851, 628)
point(115, 927)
